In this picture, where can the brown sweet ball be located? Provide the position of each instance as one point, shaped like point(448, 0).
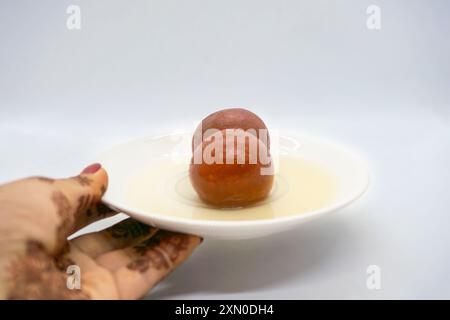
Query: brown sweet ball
point(234, 175)
point(231, 118)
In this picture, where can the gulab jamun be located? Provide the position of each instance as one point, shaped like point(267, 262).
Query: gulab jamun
point(232, 176)
point(231, 118)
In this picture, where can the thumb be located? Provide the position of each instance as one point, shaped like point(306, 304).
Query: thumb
point(77, 198)
point(49, 210)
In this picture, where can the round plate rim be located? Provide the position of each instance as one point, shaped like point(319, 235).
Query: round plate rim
point(160, 218)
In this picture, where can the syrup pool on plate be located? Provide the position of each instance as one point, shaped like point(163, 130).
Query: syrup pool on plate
point(164, 188)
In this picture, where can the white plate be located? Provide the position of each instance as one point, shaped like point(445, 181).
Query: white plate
point(127, 162)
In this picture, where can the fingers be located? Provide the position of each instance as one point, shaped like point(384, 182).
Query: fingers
point(96, 282)
point(136, 255)
point(128, 232)
point(139, 268)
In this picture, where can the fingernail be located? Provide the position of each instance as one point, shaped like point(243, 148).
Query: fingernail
point(93, 168)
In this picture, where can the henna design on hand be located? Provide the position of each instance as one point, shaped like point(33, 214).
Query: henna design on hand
point(153, 259)
point(156, 251)
point(172, 243)
point(64, 210)
point(63, 207)
point(62, 263)
point(36, 267)
point(99, 210)
point(84, 202)
point(36, 276)
point(83, 180)
point(129, 229)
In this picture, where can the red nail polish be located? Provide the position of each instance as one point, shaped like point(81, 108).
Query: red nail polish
point(93, 168)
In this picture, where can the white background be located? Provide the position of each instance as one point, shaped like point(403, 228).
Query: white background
point(138, 68)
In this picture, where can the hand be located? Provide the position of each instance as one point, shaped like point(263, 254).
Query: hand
point(122, 262)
